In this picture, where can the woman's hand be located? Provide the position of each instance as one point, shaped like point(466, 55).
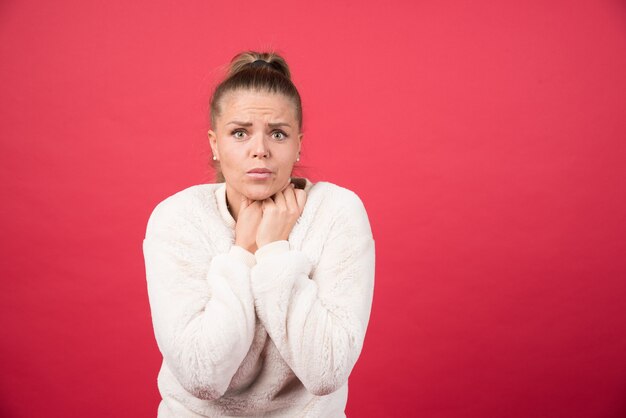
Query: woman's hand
point(248, 219)
point(280, 215)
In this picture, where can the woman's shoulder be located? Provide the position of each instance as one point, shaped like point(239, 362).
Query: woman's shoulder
point(195, 193)
point(339, 207)
point(187, 203)
point(335, 204)
point(335, 195)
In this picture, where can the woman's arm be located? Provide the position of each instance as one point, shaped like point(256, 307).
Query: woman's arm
point(317, 315)
point(202, 307)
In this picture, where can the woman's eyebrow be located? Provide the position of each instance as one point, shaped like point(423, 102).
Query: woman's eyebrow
point(235, 122)
point(271, 125)
point(278, 124)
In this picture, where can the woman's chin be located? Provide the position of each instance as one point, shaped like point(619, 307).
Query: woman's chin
point(261, 190)
point(258, 194)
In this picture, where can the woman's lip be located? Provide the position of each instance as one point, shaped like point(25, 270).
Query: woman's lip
point(260, 176)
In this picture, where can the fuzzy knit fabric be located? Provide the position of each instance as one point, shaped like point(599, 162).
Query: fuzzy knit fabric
point(270, 334)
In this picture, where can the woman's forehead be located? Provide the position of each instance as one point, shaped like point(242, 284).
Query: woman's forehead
point(237, 96)
point(244, 106)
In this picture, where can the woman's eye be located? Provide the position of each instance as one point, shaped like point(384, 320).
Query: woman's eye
point(279, 135)
point(239, 134)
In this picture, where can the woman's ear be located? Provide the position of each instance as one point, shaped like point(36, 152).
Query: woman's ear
point(213, 143)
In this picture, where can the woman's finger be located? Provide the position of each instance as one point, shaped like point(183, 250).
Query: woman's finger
point(290, 199)
point(244, 202)
point(254, 204)
point(279, 199)
point(300, 198)
point(286, 185)
point(268, 203)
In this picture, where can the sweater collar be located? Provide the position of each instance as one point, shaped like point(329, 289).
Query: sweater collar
point(220, 195)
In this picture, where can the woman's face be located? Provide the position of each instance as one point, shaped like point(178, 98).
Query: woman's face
point(255, 131)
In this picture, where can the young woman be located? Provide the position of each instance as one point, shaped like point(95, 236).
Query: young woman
point(260, 285)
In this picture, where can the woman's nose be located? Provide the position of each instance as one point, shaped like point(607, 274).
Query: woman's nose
point(259, 147)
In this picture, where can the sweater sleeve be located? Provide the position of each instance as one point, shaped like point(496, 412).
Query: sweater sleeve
point(317, 315)
point(202, 306)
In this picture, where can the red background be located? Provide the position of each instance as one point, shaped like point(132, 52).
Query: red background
point(486, 138)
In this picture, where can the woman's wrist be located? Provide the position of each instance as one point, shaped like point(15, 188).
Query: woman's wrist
point(272, 248)
point(264, 241)
point(248, 247)
point(243, 254)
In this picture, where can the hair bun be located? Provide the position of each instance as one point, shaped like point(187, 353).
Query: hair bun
point(256, 60)
point(259, 63)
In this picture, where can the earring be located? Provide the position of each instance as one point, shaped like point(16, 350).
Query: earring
point(214, 158)
point(298, 158)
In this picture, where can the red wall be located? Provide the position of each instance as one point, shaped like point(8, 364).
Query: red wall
point(487, 140)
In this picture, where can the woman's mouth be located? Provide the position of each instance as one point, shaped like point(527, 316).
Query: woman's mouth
point(259, 173)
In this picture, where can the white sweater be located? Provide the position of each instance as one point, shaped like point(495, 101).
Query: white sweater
point(271, 334)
